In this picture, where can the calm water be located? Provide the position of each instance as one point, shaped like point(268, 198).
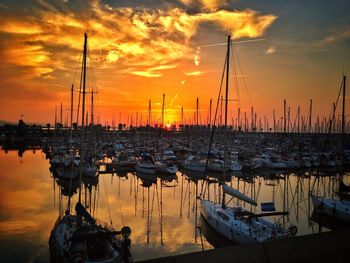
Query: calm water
point(162, 214)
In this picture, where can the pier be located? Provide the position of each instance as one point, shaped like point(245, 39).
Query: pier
point(330, 246)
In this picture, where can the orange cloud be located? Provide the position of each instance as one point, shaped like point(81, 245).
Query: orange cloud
point(45, 47)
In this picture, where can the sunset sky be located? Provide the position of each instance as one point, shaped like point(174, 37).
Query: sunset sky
point(140, 50)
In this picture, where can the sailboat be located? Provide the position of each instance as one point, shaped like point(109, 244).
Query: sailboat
point(336, 208)
point(235, 223)
point(79, 237)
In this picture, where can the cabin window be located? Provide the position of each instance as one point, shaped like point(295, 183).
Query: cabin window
point(223, 216)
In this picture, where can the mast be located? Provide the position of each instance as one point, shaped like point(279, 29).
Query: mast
point(274, 120)
point(55, 117)
point(163, 111)
point(227, 76)
point(71, 107)
point(343, 117)
point(310, 128)
point(92, 108)
point(61, 115)
point(284, 115)
point(197, 109)
point(182, 115)
point(71, 118)
point(298, 119)
point(210, 108)
point(226, 107)
point(83, 113)
point(149, 112)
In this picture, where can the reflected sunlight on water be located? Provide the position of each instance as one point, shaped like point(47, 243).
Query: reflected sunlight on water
point(162, 214)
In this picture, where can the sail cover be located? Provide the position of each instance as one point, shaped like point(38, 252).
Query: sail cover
point(235, 193)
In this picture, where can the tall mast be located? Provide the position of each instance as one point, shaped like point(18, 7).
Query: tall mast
point(83, 112)
point(227, 76)
point(226, 107)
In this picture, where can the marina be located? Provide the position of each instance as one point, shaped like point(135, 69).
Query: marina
point(162, 211)
point(174, 131)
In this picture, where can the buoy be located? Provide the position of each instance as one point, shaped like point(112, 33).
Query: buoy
point(293, 230)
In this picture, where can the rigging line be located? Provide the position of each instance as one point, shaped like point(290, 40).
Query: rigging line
point(213, 126)
point(106, 195)
point(234, 74)
point(244, 79)
point(80, 86)
point(233, 42)
point(93, 80)
point(77, 68)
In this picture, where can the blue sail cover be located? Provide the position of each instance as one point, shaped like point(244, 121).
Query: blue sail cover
point(268, 207)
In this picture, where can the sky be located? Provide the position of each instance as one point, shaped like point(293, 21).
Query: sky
point(140, 50)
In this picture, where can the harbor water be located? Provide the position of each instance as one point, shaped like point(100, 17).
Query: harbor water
point(163, 212)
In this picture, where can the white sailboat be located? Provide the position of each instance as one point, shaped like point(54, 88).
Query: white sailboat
point(242, 226)
point(145, 164)
point(339, 209)
point(336, 208)
point(235, 223)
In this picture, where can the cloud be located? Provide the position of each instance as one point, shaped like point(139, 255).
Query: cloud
point(211, 5)
point(194, 73)
point(270, 50)
point(119, 36)
point(337, 36)
point(147, 74)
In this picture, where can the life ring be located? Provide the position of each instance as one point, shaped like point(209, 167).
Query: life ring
point(293, 230)
point(78, 258)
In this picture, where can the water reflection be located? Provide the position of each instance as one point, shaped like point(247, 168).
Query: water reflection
point(162, 211)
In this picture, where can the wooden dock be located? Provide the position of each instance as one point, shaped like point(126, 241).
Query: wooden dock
point(333, 246)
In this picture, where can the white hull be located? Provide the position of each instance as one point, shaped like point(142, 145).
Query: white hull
point(225, 221)
point(332, 207)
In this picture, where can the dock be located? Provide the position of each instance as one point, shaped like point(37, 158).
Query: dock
point(332, 246)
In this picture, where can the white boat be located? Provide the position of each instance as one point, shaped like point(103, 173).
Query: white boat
point(166, 168)
point(242, 226)
point(194, 164)
point(339, 209)
point(145, 164)
point(217, 165)
point(123, 161)
point(235, 166)
point(169, 155)
point(271, 162)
